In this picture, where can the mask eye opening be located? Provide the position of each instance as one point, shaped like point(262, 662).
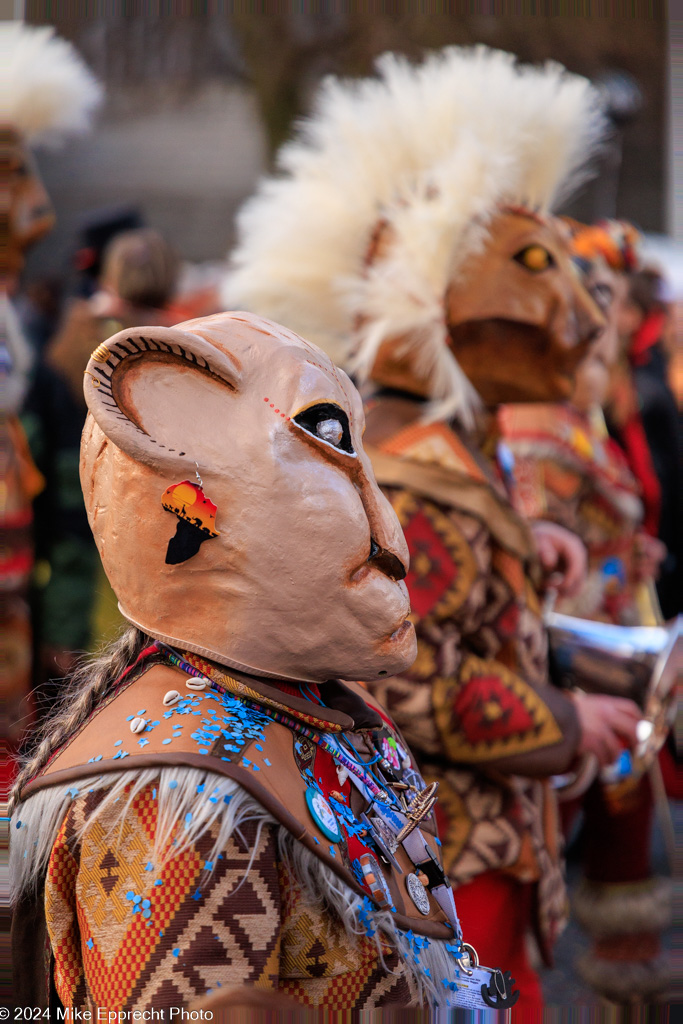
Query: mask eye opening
point(535, 258)
point(326, 413)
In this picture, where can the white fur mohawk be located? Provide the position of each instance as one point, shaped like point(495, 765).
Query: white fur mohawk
point(46, 90)
point(433, 150)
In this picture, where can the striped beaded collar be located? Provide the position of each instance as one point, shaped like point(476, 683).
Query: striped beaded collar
point(329, 706)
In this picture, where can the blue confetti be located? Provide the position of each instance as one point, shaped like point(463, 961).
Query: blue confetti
point(146, 904)
point(173, 784)
point(118, 743)
point(201, 787)
point(149, 866)
point(159, 881)
point(208, 865)
point(130, 894)
point(90, 943)
point(147, 913)
point(197, 895)
point(188, 819)
point(164, 742)
point(176, 951)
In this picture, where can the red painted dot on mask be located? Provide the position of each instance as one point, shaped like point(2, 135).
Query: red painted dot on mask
point(283, 416)
point(265, 399)
point(277, 410)
point(272, 405)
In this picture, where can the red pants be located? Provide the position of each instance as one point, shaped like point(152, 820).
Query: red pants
point(495, 913)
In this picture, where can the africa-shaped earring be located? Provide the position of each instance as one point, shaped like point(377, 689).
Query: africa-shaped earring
point(196, 518)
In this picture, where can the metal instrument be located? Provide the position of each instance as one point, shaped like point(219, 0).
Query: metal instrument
point(643, 663)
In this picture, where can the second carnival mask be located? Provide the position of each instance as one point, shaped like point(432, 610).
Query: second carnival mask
point(283, 558)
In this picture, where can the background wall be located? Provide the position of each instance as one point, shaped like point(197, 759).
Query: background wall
point(196, 105)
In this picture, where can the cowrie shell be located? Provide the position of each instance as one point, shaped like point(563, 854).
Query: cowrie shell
point(195, 684)
point(172, 697)
point(138, 725)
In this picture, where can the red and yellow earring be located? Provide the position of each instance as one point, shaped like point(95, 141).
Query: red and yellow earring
point(196, 519)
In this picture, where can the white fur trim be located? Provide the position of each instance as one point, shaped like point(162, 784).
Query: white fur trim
point(432, 149)
point(46, 90)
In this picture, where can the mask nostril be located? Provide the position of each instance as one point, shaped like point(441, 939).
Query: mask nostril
point(387, 563)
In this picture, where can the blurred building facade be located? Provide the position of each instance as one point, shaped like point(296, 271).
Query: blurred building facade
point(196, 105)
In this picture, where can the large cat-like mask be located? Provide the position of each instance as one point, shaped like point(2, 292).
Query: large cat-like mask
point(299, 574)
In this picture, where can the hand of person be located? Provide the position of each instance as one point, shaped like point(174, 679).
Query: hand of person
point(648, 555)
point(608, 725)
point(563, 557)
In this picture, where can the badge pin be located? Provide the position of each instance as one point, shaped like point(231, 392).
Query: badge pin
point(418, 894)
point(323, 815)
point(375, 880)
point(419, 809)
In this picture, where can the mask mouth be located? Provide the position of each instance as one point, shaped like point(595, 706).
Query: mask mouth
point(386, 562)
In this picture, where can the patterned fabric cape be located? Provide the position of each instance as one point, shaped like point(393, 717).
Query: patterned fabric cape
point(132, 924)
point(476, 706)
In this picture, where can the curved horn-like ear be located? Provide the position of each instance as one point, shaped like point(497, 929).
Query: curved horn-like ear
point(149, 390)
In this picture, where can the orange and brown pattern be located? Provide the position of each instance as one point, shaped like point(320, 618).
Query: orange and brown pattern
point(570, 472)
point(127, 934)
point(476, 707)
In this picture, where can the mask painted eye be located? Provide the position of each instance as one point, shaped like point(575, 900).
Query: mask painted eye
point(328, 422)
point(535, 258)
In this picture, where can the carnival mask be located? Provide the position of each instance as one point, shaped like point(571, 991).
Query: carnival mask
point(593, 374)
point(233, 506)
point(519, 319)
point(27, 213)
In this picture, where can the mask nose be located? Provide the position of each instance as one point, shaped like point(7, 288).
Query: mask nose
point(590, 321)
point(386, 562)
point(388, 548)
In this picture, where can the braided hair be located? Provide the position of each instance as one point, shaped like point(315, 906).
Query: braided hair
point(86, 687)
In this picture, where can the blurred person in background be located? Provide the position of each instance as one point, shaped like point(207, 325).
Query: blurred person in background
point(643, 325)
point(46, 94)
point(567, 469)
point(75, 608)
point(447, 284)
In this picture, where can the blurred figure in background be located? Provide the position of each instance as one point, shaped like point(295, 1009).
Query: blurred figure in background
point(74, 605)
point(46, 94)
point(569, 470)
point(643, 325)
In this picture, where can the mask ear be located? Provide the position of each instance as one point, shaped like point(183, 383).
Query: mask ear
point(153, 392)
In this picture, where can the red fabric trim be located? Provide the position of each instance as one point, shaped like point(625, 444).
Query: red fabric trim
point(639, 460)
point(647, 335)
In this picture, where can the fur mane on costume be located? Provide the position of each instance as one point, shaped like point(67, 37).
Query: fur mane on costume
point(46, 90)
point(433, 151)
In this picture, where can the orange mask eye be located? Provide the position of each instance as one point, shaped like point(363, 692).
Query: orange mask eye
point(535, 258)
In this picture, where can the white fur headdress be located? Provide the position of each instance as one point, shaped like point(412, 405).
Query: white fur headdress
point(46, 90)
point(433, 150)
